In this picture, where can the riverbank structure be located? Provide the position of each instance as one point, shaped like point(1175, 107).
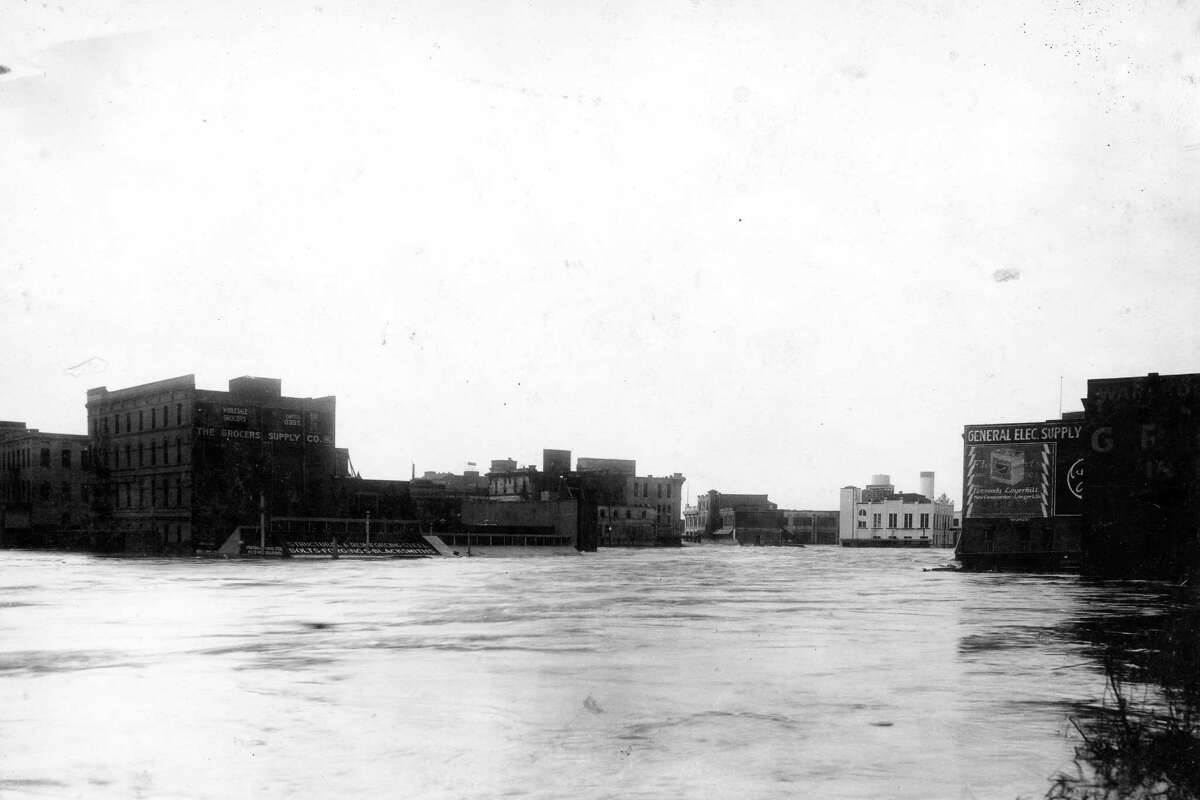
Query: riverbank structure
point(878, 516)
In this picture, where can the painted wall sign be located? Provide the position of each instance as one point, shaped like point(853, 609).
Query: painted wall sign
point(1023, 471)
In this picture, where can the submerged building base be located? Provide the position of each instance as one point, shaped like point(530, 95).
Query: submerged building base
point(886, 543)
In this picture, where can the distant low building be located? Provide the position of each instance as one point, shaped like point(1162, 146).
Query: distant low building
point(745, 519)
point(624, 509)
point(811, 527)
point(879, 516)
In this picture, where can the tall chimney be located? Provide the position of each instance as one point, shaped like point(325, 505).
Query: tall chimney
point(927, 484)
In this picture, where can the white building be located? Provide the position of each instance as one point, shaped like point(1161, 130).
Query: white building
point(879, 516)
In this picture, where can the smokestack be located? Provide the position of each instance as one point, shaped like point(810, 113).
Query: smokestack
point(927, 484)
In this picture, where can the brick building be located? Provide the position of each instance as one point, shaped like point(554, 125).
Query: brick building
point(45, 483)
point(703, 521)
point(189, 465)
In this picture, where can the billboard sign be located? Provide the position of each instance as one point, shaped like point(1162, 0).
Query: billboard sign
point(1023, 470)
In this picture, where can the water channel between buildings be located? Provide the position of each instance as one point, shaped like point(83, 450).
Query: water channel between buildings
point(706, 672)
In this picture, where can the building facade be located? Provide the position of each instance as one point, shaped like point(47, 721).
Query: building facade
point(189, 465)
point(722, 518)
point(45, 483)
point(1023, 494)
point(879, 516)
point(1141, 507)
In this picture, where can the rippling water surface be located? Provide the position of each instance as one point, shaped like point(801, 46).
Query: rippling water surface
point(696, 673)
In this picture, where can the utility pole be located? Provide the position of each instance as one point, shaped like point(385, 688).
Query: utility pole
point(262, 522)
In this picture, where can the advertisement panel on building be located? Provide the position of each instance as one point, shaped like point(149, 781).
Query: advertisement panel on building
point(283, 426)
point(1022, 470)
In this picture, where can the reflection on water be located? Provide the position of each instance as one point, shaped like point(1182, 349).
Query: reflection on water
point(695, 673)
point(1142, 737)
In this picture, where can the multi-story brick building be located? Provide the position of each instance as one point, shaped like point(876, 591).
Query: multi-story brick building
point(45, 483)
point(704, 520)
point(189, 465)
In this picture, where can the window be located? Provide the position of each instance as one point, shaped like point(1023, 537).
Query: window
point(84, 494)
point(141, 421)
point(66, 458)
point(862, 512)
point(908, 520)
point(924, 520)
point(106, 426)
point(141, 456)
point(891, 520)
point(165, 415)
point(178, 459)
point(153, 453)
point(141, 495)
point(128, 422)
point(875, 520)
point(44, 490)
point(128, 460)
point(179, 413)
point(862, 523)
point(45, 456)
point(178, 491)
point(85, 458)
point(166, 458)
point(660, 491)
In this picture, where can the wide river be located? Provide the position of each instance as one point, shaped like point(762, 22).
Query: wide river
point(706, 672)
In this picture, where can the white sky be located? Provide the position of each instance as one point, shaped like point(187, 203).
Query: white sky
point(755, 242)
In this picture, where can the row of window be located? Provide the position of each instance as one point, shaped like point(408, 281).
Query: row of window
point(892, 518)
point(156, 420)
point(643, 489)
point(171, 495)
point(616, 513)
point(22, 458)
point(142, 451)
point(25, 491)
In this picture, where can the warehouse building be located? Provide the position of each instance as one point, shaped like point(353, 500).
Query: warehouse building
point(188, 465)
point(1023, 494)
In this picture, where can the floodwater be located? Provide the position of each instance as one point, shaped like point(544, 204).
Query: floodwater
point(706, 672)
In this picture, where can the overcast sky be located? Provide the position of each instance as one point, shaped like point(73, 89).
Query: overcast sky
point(774, 246)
